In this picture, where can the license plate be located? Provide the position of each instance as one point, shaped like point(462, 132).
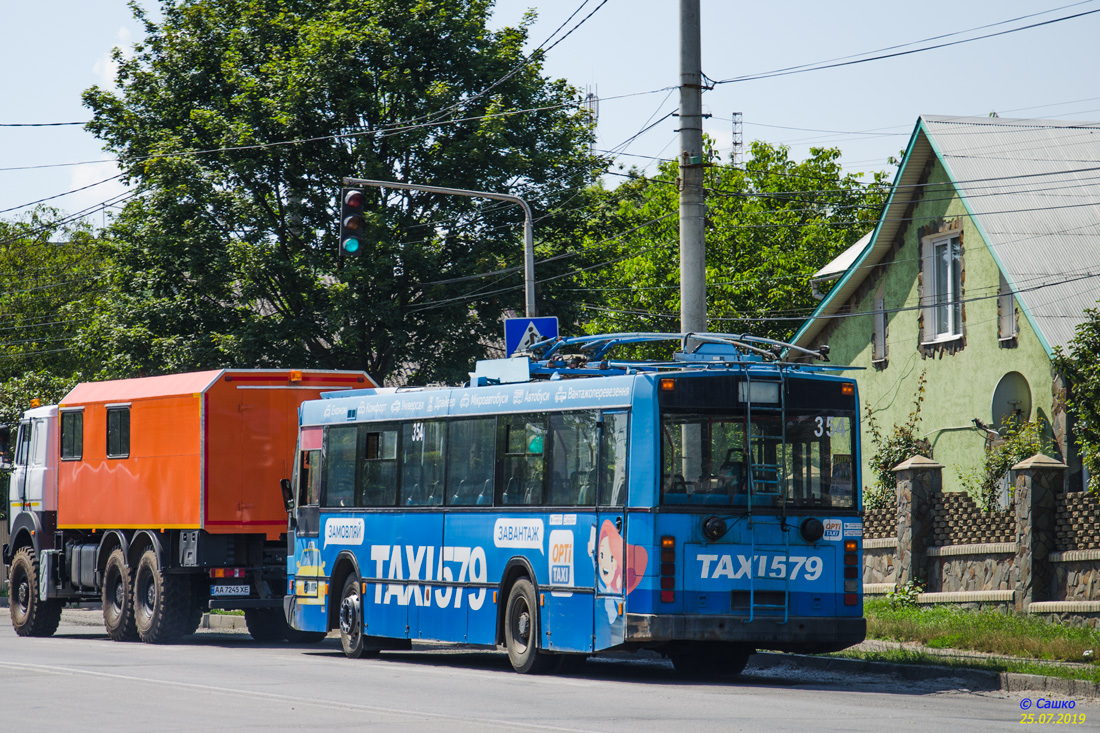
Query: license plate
point(230, 590)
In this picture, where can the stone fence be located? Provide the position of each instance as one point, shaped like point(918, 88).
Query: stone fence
point(1041, 555)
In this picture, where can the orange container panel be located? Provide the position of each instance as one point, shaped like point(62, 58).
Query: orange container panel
point(251, 431)
point(207, 450)
point(157, 485)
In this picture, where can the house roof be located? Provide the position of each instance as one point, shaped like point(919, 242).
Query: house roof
point(1030, 188)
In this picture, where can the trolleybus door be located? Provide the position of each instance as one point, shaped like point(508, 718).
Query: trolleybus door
point(607, 545)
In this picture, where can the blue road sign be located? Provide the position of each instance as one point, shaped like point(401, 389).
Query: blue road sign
point(519, 333)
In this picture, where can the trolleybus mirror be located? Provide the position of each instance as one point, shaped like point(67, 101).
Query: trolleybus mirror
point(288, 496)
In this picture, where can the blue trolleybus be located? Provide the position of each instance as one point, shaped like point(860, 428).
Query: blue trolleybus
point(565, 503)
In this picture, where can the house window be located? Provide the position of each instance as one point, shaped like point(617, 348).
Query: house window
point(118, 432)
point(878, 335)
point(943, 288)
point(1006, 312)
point(72, 435)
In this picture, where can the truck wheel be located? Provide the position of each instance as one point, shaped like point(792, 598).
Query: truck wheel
point(29, 615)
point(521, 631)
point(265, 624)
point(161, 601)
point(118, 598)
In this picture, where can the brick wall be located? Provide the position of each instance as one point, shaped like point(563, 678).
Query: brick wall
point(960, 521)
point(1077, 521)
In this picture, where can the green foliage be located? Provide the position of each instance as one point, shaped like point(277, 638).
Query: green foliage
point(905, 595)
point(769, 227)
point(889, 450)
point(16, 393)
point(52, 277)
point(1081, 369)
point(1018, 441)
point(236, 121)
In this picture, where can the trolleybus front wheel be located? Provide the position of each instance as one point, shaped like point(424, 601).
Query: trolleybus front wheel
point(351, 621)
point(521, 631)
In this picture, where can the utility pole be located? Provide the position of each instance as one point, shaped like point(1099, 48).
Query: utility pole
point(693, 273)
point(693, 288)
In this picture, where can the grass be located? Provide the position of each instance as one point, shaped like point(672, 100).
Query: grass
point(1090, 673)
point(990, 631)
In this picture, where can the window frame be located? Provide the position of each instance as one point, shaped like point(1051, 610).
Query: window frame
point(952, 306)
point(76, 439)
point(1007, 327)
point(123, 429)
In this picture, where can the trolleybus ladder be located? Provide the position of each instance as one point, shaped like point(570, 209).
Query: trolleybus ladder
point(772, 476)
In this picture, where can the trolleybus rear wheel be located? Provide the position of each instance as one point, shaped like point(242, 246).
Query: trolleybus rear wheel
point(521, 631)
point(711, 660)
point(118, 599)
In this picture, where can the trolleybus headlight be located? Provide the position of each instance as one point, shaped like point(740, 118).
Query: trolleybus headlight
point(714, 528)
point(811, 529)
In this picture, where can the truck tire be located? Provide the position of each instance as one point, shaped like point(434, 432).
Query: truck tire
point(265, 624)
point(118, 598)
point(29, 615)
point(162, 601)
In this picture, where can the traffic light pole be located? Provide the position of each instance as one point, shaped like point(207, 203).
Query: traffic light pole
point(528, 227)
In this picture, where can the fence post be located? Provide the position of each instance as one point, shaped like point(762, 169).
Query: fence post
point(919, 480)
point(1037, 480)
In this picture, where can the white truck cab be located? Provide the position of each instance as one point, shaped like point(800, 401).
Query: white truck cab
point(34, 465)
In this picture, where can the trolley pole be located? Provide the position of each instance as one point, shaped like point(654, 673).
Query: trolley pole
point(693, 288)
point(528, 227)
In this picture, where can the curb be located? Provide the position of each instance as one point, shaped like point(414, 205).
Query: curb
point(972, 679)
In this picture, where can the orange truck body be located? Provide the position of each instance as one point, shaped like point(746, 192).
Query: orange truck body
point(207, 450)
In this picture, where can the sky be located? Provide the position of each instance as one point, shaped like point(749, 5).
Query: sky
point(627, 54)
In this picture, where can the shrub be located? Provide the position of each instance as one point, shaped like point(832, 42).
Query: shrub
point(901, 444)
point(1018, 441)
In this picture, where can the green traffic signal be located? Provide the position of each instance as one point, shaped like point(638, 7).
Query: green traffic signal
point(352, 202)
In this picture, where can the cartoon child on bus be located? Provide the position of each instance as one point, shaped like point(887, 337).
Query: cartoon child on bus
point(613, 576)
point(619, 570)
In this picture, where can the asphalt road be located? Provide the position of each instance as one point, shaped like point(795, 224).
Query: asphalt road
point(217, 681)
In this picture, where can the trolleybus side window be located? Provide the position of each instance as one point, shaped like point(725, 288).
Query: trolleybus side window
point(613, 437)
point(309, 466)
point(521, 461)
point(339, 463)
point(378, 474)
point(422, 462)
point(471, 453)
point(573, 454)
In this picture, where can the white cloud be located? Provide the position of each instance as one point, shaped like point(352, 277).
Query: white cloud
point(105, 67)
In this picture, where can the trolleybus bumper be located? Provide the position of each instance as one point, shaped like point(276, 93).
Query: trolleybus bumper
point(810, 634)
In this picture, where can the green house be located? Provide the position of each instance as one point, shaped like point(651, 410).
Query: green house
point(981, 265)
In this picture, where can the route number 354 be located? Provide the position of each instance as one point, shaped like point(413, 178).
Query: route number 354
point(828, 425)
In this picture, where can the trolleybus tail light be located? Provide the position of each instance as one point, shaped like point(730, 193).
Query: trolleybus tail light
point(227, 572)
point(668, 562)
point(851, 573)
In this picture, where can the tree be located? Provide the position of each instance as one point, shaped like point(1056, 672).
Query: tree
point(52, 275)
point(236, 121)
point(769, 227)
point(1081, 369)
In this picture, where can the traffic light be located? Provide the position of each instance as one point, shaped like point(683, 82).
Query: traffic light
point(352, 202)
